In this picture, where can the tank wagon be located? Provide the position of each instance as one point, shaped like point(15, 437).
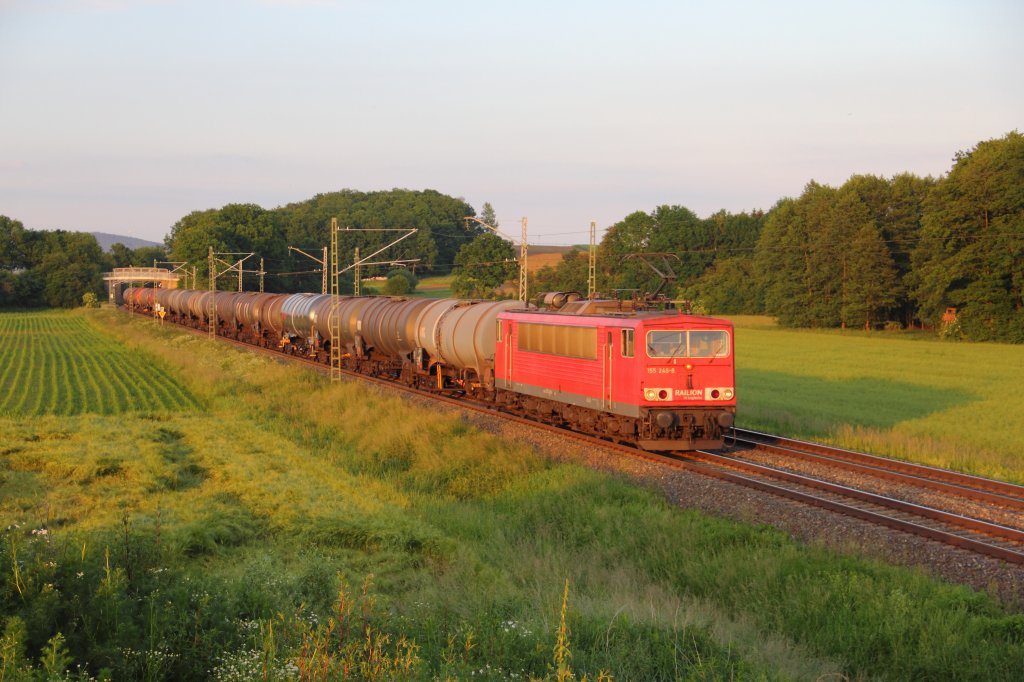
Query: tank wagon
point(663, 380)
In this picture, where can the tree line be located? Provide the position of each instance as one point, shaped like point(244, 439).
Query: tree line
point(368, 221)
point(55, 268)
point(898, 250)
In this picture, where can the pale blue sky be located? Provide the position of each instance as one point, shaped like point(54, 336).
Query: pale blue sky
point(122, 116)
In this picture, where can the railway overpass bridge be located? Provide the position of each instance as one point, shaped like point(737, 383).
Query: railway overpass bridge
point(119, 277)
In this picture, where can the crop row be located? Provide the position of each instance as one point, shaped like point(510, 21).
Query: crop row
point(56, 363)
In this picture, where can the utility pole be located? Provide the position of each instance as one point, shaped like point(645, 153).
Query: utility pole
point(334, 323)
point(262, 273)
point(358, 281)
point(592, 268)
point(522, 250)
point(333, 320)
point(522, 264)
point(211, 304)
point(179, 267)
point(213, 261)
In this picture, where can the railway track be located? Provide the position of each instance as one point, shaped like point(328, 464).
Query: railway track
point(976, 535)
point(984, 490)
point(972, 534)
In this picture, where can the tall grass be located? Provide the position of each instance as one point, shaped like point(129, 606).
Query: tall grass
point(216, 542)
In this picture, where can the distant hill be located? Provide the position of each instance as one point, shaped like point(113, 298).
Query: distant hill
point(108, 240)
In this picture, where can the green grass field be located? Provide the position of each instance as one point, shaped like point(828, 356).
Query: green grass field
point(948, 404)
point(231, 540)
point(56, 363)
point(435, 287)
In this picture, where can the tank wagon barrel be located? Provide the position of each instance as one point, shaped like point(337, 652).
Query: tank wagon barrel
point(392, 327)
point(162, 297)
point(226, 305)
point(462, 334)
point(296, 313)
point(243, 307)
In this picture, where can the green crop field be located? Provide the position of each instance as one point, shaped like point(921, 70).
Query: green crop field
point(956, 405)
point(56, 363)
point(275, 526)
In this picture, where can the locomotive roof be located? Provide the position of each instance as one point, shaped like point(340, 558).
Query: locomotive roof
point(624, 318)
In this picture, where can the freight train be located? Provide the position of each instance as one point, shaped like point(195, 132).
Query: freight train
point(660, 379)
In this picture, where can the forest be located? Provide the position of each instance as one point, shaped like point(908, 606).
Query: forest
point(894, 252)
point(874, 252)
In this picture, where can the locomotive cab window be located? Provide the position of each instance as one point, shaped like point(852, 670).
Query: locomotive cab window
point(708, 344)
point(666, 344)
point(627, 343)
point(683, 344)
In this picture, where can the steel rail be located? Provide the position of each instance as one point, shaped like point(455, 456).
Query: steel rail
point(949, 518)
point(945, 537)
point(1008, 494)
point(712, 465)
point(877, 470)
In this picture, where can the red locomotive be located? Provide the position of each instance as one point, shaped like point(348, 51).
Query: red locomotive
point(661, 379)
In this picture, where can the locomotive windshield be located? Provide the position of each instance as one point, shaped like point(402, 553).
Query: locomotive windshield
point(687, 344)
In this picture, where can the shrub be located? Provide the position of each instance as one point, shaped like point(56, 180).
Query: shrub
point(406, 274)
point(396, 286)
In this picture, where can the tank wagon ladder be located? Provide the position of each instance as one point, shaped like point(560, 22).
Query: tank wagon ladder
point(213, 262)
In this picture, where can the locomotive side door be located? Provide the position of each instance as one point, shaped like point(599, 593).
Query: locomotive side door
point(624, 378)
point(606, 382)
point(509, 350)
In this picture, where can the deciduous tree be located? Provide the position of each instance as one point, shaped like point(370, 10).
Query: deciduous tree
point(482, 266)
point(971, 253)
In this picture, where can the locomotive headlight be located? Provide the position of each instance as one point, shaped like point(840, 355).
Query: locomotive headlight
point(656, 394)
point(719, 393)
